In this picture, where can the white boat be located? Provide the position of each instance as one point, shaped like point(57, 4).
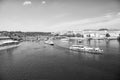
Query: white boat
point(65, 39)
point(85, 49)
point(50, 42)
point(46, 42)
point(6, 43)
point(76, 47)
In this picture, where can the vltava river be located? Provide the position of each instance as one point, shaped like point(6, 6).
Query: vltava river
point(39, 61)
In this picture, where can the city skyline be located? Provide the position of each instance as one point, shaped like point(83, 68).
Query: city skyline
point(54, 15)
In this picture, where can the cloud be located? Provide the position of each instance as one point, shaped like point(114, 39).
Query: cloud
point(119, 13)
point(61, 15)
point(107, 21)
point(27, 3)
point(43, 2)
point(109, 15)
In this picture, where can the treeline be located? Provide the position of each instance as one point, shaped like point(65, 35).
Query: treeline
point(8, 33)
point(18, 35)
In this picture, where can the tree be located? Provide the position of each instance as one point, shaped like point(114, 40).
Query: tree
point(78, 35)
point(103, 29)
point(107, 35)
point(71, 35)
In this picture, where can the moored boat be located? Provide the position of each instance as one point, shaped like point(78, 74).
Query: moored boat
point(6, 43)
point(85, 49)
point(65, 39)
point(50, 42)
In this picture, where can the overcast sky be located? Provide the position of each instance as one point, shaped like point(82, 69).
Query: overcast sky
point(52, 15)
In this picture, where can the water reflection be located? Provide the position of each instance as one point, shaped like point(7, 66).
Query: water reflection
point(89, 56)
point(89, 42)
point(85, 55)
point(107, 43)
point(7, 51)
point(6, 61)
point(119, 45)
point(8, 55)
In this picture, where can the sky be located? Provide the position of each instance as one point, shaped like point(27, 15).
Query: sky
point(58, 15)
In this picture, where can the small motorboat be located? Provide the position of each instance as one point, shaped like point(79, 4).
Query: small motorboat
point(46, 42)
point(85, 49)
point(49, 42)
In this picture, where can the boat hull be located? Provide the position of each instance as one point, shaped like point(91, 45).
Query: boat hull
point(9, 46)
point(82, 50)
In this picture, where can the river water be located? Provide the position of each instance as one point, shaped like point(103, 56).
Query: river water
point(39, 61)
